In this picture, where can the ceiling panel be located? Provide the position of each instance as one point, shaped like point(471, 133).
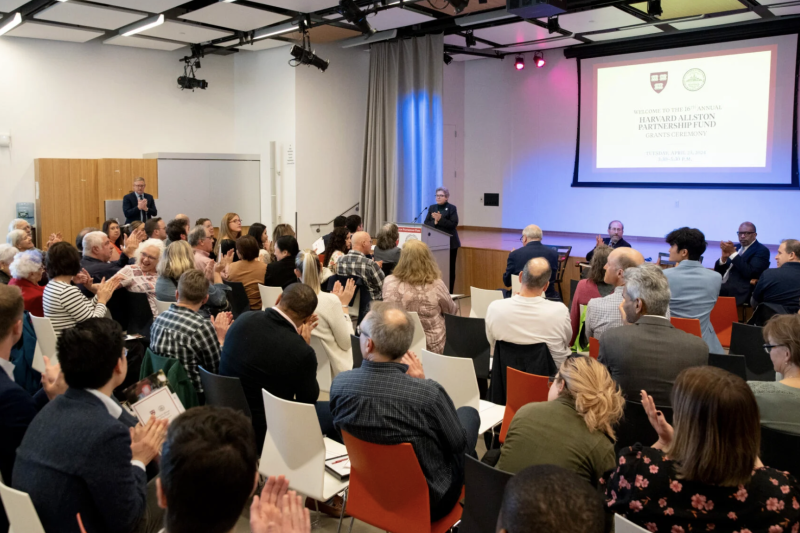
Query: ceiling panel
point(673, 9)
point(623, 34)
point(465, 57)
point(323, 34)
point(782, 11)
point(457, 40)
point(53, 32)
point(561, 43)
point(519, 32)
point(185, 32)
point(390, 19)
point(234, 16)
point(151, 6)
point(10, 5)
point(137, 41)
point(82, 14)
point(715, 21)
point(473, 7)
point(304, 6)
point(605, 18)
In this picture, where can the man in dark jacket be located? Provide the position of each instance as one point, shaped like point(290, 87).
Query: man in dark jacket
point(138, 205)
point(741, 263)
point(781, 285)
point(532, 247)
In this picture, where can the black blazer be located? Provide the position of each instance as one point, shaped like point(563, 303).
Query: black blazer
point(520, 257)
point(779, 286)
point(130, 206)
point(622, 243)
point(744, 267)
point(280, 273)
point(448, 223)
point(265, 352)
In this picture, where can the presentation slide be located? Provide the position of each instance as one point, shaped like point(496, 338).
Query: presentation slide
point(707, 116)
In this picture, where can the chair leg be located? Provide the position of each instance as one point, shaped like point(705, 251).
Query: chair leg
point(352, 519)
point(344, 504)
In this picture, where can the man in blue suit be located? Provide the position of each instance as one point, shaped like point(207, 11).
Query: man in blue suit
point(742, 262)
point(138, 205)
point(532, 247)
point(693, 289)
point(781, 285)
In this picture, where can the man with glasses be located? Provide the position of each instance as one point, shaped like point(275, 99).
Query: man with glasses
point(781, 285)
point(137, 204)
point(614, 239)
point(741, 263)
point(532, 247)
point(444, 216)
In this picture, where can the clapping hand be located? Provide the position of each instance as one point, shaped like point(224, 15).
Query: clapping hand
point(54, 238)
point(307, 327)
point(279, 510)
point(345, 294)
point(414, 365)
point(146, 440)
point(436, 217)
point(106, 289)
point(53, 379)
point(224, 261)
point(142, 204)
point(83, 278)
point(659, 423)
point(221, 324)
point(727, 248)
point(132, 242)
point(599, 240)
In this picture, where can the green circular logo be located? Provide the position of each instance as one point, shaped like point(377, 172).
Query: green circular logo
point(694, 79)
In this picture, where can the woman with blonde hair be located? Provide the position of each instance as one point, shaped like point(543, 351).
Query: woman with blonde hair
point(178, 258)
point(416, 285)
point(335, 326)
point(230, 229)
point(573, 429)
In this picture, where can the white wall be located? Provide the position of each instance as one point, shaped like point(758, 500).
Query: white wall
point(92, 100)
point(453, 92)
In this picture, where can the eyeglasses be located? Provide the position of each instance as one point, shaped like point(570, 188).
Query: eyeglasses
point(125, 353)
point(146, 256)
point(235, 220)
point(741, 233)
point(441, 196)
point(521, 237)
point(768, 347)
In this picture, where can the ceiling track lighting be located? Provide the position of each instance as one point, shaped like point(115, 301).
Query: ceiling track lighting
point(459, 5)
point(272, 31)
point(519, 62)
point(447, 58)
point(553, 26)
point(538, 59)
point(9, 23)
point(470, 39)
point(303, 55)
point(142, 25)
point(654, 8)
point(353, 14)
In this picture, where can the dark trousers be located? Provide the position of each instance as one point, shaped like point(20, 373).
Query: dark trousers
point(326, 421)
point(453, 255)
point(471, 422)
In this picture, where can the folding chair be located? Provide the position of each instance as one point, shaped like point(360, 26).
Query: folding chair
point(749, 342)
point(140, 316)
point(419, 341)
point(779, 450)
point(269, 295)
point(480, 300)
point(522, 389)
point(238, 299)
point(689, 325)
point(623, 525)
point(516, 284)
point(483, 496)
point(324, 372)
point(20, 511)
point(635, 426)
point(466, 337)
point(45, 342)
point(163, 306)
point(594, 348)
point(563, 259)
point(224, 391)
point(355, 344)
point(723, 315)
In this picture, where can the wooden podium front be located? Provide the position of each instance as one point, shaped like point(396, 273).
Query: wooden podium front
point(437, 240)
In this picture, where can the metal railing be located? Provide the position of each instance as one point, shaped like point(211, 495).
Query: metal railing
point(319, 225)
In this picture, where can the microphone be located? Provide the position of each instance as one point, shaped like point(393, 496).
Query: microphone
point(420, 214)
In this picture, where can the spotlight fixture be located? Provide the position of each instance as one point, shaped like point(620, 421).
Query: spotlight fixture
point(9, 23)
point(355, 16)
point(459, 5)
point(654, 8)
point(552, 25)
point(519, 63)
point(307, 57)
point(471, 41)
point(538, 59)
point(190, 63)
point(447, 58)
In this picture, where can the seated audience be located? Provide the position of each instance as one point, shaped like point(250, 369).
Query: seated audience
point(182, 333)
point(353, 224)
point(177, 259)
point(391, 384)
point(603, 313)
point(270, 350)
point(79, 455)
point(386, 248)
point(209, 226)
point(97, 251)
point(79, 237)
point(7, 254)
point(649, 352)
point(338, 246)
point(549, 498)
point(741, 263)
point(20, 240)
point(176, 231)
point(111, 228)
point(27, 271)
point(705, 474)
point(259, 232)
point(249, 271)
point(528, 317)
point(20, 223)
point(779, 401)
point(338, 222)
point(532, 247)
point(589, 289)
point(202, 247)
point(281, 230)
point(781, 285)
point(573, 429)
point(416, 285)
point(142, 275)
point(156, 228)
point(186, 220)
point(334, 326)
point(62, 301)
point(280, 273)
point(356, 263)
point(133, 226)
point(614, 239)
point(693, 289)
point(230, 229)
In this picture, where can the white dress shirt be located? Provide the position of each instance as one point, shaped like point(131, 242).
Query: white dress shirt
point(8, 366)
point(115, 410)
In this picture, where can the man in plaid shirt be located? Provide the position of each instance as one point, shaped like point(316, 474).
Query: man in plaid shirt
point(356, 263)
point(183, 333)
point(604, 313)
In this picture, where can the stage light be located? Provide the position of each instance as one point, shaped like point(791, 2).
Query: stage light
point(654, 8)
point(10, 23)
point(538, 59)
point(519, 63)
point(146, 24)
point(552, 25)
point(447, 58)
point(355, 16)
point(470, 39)
point(459, 5)
point(307, 57)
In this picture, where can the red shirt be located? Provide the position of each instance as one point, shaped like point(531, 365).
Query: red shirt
point(32, 294)
point(585, 291)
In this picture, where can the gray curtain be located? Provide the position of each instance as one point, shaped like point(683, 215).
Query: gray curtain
point(403, 138)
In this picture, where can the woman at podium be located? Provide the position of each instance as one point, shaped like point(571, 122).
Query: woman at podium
point(444, 216)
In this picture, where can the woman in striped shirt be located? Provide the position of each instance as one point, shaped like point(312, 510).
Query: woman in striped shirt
point(63, 302)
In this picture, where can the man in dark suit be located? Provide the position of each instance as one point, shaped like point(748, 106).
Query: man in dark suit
point(444, 216)
point(137, 204)
point(781, 285)
point(78, 456)
point(648, 353)
point(614, 239)
point(742, 262)
point(532, 247)
point(97, 250)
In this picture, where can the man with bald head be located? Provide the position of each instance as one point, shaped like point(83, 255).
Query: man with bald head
point(356, 263)
point(603, 313)
point(742, 262)
point(532, 247)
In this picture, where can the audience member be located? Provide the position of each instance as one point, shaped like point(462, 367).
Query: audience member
point(249, 271)
point(79, 454)
point(176, 231)
point(589, 289)
point(741, 263)
point(7, 254)
point(603, 313)
point(549, 498)
point(416, 285)
point(209, 226)
point(391, 383)
point(614, 239)
point(356, 263)
point(338, 222)
point(20, 240)
point(21, 223)
point(270, 350)
point(259, 232)
point(133, 226)
point(97, 251)
point(693, 289)
point(280, 273)
point(781, 285)
point(705, 474)
point(81, 234)
point(353, 224)
point(177, 259)
point(202, 247)
point(573, 429)
point(334, 326)
point(386, 248)
point(142, 276)
point(532, 247)
point(528, 317)
point(156, 228)
point(779, 401)
point(137, 204)
point(230, 229)
point(281, 230)
point(26, 272)
point(338, 246)
point(63, 302)
point(444, 216)
point(187, 223)
point(182, 333)
point(649, 354)
point(111, 228)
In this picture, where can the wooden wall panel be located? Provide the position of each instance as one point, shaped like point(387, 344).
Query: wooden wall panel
point(83, 196)
point(54, 184)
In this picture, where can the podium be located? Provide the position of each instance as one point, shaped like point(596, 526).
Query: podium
point(438, 241)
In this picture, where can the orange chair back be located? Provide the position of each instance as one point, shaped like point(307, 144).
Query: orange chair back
point(689, 325)
point(723, 316)
point(594, 347)
point(388, 489)
point(522, 388)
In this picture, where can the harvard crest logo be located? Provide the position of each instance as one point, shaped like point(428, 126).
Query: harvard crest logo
point(658, 81)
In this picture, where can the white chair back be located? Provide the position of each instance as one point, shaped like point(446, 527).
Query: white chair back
point(516, 284)
point(456, 375)
point(163, 306)
point(418, 343)
point(353, 309)
point(20, 511)
point(480, 300)
point(623, 525)
point(324, 377)
point(269, 295)
point(45, 342)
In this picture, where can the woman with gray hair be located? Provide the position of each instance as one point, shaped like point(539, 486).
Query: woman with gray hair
point(386, 248)
point(27, 271)
point(142, 276)
point(20, 239)
point(7, 253)
point(444, 216)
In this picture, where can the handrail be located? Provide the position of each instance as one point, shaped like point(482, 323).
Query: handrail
point(320, 224)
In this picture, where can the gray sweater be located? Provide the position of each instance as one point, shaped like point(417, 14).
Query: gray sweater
point(778, 404)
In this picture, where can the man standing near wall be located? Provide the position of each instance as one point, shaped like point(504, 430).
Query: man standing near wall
point(137, 204)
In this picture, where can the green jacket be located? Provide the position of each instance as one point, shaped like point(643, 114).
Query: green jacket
point(179, 381)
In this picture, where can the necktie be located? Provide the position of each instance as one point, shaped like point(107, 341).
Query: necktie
point(141, 213)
